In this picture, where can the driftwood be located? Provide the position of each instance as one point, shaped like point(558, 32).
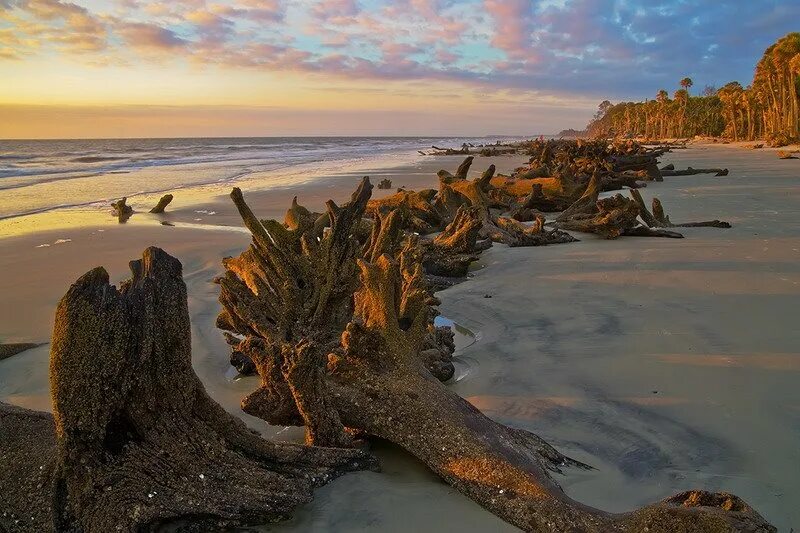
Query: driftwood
point(8, 350)
point(454, 249)
point(658, 219)
point(363, 370)
point(607, 217)
point(135, 443)
point(663, 220)
point(786, 154)
point(693, 171)
point(122, 210)
point(162, 204)
point(421, 216)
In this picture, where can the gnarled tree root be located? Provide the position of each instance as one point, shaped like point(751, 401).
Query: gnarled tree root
point(375, 381)
point(138, 443)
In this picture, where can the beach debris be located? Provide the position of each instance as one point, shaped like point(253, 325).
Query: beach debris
point(786, 154)
point(162, 204)
point(135, 442)
point(609, 218)
point(694, 171)
point(345, 349)
point(9, 349)
point(385, 184)
point(658, 219)
point(122, 210)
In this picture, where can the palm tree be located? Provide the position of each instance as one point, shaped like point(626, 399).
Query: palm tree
point(686, 83)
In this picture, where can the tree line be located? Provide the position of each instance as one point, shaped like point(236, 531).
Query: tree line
point(768, 109)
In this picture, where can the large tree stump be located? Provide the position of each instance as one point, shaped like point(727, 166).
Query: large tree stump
point(376, 382)
point(135, 443)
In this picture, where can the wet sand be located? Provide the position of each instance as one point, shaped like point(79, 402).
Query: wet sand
point(666, 364)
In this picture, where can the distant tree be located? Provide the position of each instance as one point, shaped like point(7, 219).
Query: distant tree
point(686, 84)
point(602, 109)
point(709, 90)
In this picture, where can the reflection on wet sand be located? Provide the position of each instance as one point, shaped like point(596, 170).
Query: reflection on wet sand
point(762, 361)
point(708, 281)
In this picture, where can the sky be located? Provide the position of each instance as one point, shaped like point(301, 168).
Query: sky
point(142, 68)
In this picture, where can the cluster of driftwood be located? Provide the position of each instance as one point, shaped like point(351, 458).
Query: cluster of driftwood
point(335, 314)
point(123, 211)
point(480, 149)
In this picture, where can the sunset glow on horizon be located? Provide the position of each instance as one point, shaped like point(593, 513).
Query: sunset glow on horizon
point(140, 68)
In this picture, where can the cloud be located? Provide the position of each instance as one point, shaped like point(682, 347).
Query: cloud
point(149, 37)
point(584, 48)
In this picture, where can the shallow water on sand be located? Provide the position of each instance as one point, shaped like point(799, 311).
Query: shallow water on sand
point(666, 364)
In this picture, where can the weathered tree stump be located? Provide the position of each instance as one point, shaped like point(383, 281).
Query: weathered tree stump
point(135, 443)
point(162, 204)
point(122, 210)
point(374, 380)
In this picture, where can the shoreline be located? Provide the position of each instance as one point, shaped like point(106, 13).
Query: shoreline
point(561, 402)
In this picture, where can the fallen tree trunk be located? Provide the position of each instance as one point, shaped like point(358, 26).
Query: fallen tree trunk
point(374, 380)
point(135, 443)
point(664, 221)
point(693, 171)
point(162, 204)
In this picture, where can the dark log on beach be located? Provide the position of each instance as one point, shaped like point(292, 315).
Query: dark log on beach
point(358, 332)
point(122, 210)
point(693, 171)
point(135, 443)
point(8, 350)
point(663, 219)
point(162, 204)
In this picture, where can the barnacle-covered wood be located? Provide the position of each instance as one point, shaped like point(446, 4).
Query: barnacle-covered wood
point(134, 442)
point(378, 384)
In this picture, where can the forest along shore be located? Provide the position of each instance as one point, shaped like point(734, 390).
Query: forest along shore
point(623, 321)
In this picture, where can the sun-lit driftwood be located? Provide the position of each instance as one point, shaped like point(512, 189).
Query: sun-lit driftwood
point(162, 204)
point(367, 373)
point(134, 442)
point(607, 217)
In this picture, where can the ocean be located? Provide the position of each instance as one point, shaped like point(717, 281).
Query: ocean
point(42, 175)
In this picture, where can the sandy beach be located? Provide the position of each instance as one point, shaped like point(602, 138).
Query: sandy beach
point(665, 364)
